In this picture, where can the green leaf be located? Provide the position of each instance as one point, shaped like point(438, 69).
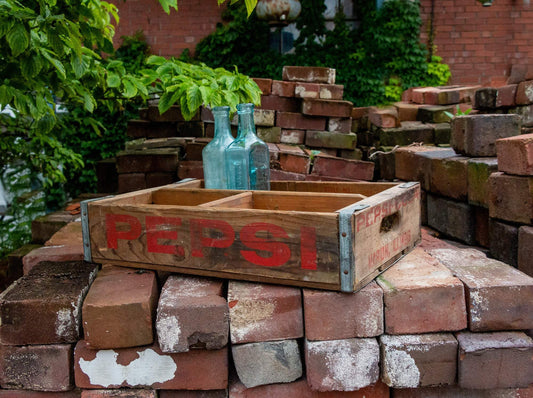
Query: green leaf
point(194, 98)
point(18, 39)
point(56, 63)
point(129, 88)
point(250, 5)
point(113, 80)
point(167, 4)
point(31, 65)
point(78, 65)
point(167, 100)
point(5, 26)
point(155, 60)
point(6, 95)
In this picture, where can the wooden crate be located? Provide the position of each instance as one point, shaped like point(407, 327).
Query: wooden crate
point(326, 235)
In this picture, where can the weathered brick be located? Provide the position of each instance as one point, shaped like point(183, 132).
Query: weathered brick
point(479, 171)
point(280, 175)
point(383, 117)
point(36, 367)
point(413, 282)
point(280, 104)
point(192, 313)
point(269, 134)
point(62, 253)
point(406, 134)
point(291, 149)
point(329, 139)
point(44, 307)
point(265, 85)
point(361, 314)
point(129, 182)
point(504, 242)
point(448, 95)
point(283, 88)
point(294, 163)
point(342, 365)
point(42, 228)
point(119, 393)
point(264, 117)
point(442, 133)
point(296, 137)
point(424, 95)
point(340, 124)
point(290, 120)
point(39, 394)
point(331, 108)
point(194, 370)
point(449, 177)
point(301, 389)
point(360, 112)
point(475, 135)
point(331, 91)
point(311, 74)
point(495, 360)
point(106, 175)
point(434, 114)
point(517, 207)
point(525, 250)
point(458, 392)
point(189, 129)
point(193, 394)
point(384, 165)
point(515, 154)
point(406, 111)
point(260, 312)
point(307, 90)
point(411, 361)
point(119, 308)
point(499, 297)
point(495, 97)
point(14, 261)
point(526, 113)
point(482, 219)
point(354, 154)
point(520, 73)
point(452, 218)
point(157, 159)
point(191, 169)
point(345, 168)
point(145, 128)
point(267, 362)
point(524, 93)
point(158, 179)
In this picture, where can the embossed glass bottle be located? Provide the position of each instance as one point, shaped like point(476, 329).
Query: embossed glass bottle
point(213, 154)
point(247, 158)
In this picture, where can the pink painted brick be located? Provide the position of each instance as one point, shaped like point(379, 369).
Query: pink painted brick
point(342, 365)
point(524, 93)
point(515, 154)
point(495, 360)
point(260, 312)
point(119, 308)
point(192, 312)
point(307, 90)
point(194, 370)
point(122, 393)
point(36, 367)
point(290, 120)
point(525, 250)
point(334, 316)
point(265, 85)
point(517, 207)
point(498, 296)
point(421, 295)
point(44, 307)
point(283, 89)
point(310, 74)
point(327, 166)
point(296, 137)
point(330, 108)
point(384, 117)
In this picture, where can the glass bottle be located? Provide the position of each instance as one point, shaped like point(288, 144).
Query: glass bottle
point(247, 158)
point(213, 154)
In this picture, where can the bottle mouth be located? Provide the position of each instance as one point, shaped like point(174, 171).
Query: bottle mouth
point(241, 108)
point(220, 109)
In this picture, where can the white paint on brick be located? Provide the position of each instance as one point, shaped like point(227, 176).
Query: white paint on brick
point(63, 322)
point(529, 92)
point(399, 368)
point(247, 316)
point(169, 334)
point(148, 369)
point(476, 306)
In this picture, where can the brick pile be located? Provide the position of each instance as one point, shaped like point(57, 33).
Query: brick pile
point(446, 320)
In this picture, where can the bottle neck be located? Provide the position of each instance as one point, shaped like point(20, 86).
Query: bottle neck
point(246, 120)
point(222, 124)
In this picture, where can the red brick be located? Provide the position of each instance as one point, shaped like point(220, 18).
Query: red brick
point(296, 137)
point(406, 134)
point(449, 177)
point(193, 394)
point(326, 166)
point(451, 217)
point(192, 313)
point(294, 163)
point(14, 262)
point(520, 73)
point(525, 250)
point(515, 154)
point(267, 362)
point(119, 308)
point(503, 242)
point(172, 115)
point(301, 389)
point(193, 150)
point(479, 171)
point(331, 91)
point(340, 124)
point(384, 117)
point(360, 112)
point(425, 95)
point(191, 169)
point(158, 179)
point(307, 90)
point(42, 228)
point(280, 175)
point(458, 392)
point(434, 113)
point(60, 253)
point(406, 111)
point(499, 297)
point(39, 394)
point(524, 93)
point(448, 95)
point(156, 159)
point(69, 234)
point(495, 360)
point(269, 134)
point(281, 104)
point(329, 139)
point(310, 74)
point(265, 85)
point(36, 367)
point(331, 108)
point(145, 128)
point(264, 117)
point(290, 120)
point(129, 393)
point(361, 315)
point(517, 207)
point(131, 182)
point(261, 312)
point(342, 365)
point(44, 307)
point(411, 361)
point(410, 285)
point(482, 234)
point(283, 89)
point(194, 370)
point(475, 135)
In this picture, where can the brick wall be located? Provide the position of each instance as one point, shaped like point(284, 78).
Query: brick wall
point(481, 43)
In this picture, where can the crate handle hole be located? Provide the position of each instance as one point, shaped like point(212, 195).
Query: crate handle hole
point(390, 222)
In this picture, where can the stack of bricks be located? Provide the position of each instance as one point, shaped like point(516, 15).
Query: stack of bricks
point(444, 321)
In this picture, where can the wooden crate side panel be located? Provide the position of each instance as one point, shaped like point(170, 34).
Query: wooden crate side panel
point(258, 244)
point(363, 188)
point(388, 227)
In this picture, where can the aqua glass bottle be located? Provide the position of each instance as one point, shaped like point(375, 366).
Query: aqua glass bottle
point(247, 158)
point(213, 154)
